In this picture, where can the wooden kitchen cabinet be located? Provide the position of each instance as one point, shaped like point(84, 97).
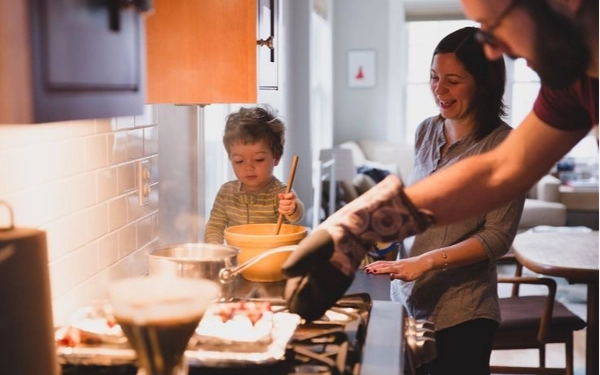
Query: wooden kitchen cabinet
point(202, 52)
point(68, 60)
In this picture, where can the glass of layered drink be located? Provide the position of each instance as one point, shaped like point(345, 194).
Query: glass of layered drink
point(159, 316)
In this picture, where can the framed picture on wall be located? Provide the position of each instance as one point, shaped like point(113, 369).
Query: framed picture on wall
point(362, 68)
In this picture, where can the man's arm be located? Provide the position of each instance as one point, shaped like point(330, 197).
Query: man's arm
point(485, 181)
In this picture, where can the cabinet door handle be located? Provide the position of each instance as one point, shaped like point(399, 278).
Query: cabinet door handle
point(266, 42)
point(115, 6)
point(267, 6)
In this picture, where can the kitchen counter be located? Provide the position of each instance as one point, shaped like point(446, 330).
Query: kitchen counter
point(378, 286)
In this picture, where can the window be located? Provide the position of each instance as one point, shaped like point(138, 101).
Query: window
point(523, 85)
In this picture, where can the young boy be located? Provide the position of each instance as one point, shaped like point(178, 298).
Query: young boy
point(254, 139)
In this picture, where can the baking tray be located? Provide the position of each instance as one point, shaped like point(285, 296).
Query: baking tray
point(111, 354)
point(284, 326)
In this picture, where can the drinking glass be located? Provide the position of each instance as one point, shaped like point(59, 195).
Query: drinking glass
point(159, 315)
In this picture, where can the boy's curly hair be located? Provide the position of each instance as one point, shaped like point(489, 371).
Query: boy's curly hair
point(251, 125)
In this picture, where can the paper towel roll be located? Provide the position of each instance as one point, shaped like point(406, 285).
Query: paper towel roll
point(26, 324)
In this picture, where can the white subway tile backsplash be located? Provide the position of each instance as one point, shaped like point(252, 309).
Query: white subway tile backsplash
point(137, 264)
point(150, 140)
point(122, 123)
point(95, 155)
point(97, 221)
point(137, 211)
point(106, 182)
point(46, 162)
point(24, 204)
point(8, 169)
point(126, 178)
point(67, 156)
point(103, 125)
point(155, 225)
point(117, 147)
point(66, 235)
point(117, 213)
point(96, 287)
point(13, 136)
point(108, 250)
point(60, 277)
point(144, 231)
point(119, 270)
point(77, 150)
point(81, 128)
point(76, 181)
point(127, 240)
point(85, 190)
point(71, 269)
point(85, 262)
point(29, 168)
point(135, 144)
point(55, 199)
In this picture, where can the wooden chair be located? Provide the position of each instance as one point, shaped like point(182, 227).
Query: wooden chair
point(531, 322)
point(511, 259)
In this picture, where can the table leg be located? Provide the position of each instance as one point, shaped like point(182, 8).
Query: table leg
point(591, 353)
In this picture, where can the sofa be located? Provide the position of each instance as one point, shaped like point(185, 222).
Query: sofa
point(543, 206)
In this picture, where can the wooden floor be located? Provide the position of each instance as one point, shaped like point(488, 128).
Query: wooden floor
point(574, 297)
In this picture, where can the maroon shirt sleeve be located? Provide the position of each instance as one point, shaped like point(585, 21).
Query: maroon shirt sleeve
point(571, 108)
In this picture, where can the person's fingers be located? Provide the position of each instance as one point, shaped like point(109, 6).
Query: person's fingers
point(380, 268)
point(286, 196)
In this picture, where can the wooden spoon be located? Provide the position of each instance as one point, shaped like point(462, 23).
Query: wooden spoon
point(288, 189)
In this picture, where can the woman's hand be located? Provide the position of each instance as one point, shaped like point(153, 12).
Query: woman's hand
point(287, 203)
point(408, 269)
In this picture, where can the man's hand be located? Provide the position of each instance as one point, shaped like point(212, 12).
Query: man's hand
point(323, 266)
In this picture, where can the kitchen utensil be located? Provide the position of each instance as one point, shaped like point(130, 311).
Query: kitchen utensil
point(288, 189)
point(26, 322)
point(159, 315)
point(255, 239)
point(206, 261)
point(194, 260)
point(226, 274)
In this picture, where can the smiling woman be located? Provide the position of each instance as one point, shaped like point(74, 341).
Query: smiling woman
point(522, 83)
point(433, 276)
point(422, 39)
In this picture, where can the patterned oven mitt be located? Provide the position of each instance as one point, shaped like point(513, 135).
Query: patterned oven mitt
point(322, 268)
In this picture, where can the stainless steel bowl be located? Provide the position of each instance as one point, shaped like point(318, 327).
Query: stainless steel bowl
point(195, 260)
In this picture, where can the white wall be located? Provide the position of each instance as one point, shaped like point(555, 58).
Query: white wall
point(301, 87)
point(360, 113)
point(376, 113)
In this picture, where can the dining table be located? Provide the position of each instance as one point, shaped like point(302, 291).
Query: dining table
point(574, 257)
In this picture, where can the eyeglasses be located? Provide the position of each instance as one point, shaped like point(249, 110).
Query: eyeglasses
point(487, 36)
